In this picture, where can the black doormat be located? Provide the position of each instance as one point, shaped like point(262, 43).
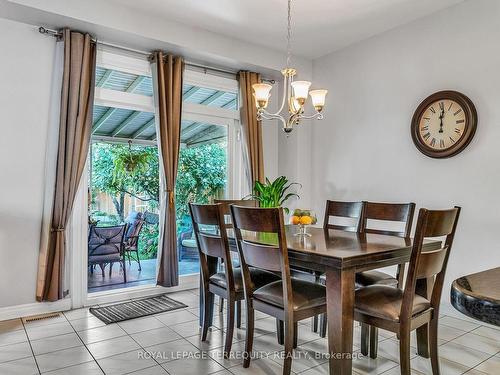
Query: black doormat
point(136, 309)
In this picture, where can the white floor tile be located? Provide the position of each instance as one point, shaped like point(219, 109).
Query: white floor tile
point(56, 329)
point(15, 351)
point(491, 366)
point(481, 343)
point(369, 366)
point(44, 322)
point(461, 354)
point(63, 358)
point(106, 332)
point(449, 333)
point(86, 323)
point(390, 349)
point(87, 368)
point(141, 324)
point(125, 363)
point(176, 317)
point(235, 358)
point(172, 350)
point(25, 366)
point(490, 333)
point(447, 367)
point(259, 367)
point(190, 366)
point(13, 337)
point(155, 336)
point(78, 314)
point(108, 348)
point(55, 343)
point(461, 324)
point(187, 329)
point(155, 370)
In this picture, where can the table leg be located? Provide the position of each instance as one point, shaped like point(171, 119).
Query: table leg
point(340, 313)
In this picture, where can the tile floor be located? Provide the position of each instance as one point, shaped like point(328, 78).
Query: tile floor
point(169, 343)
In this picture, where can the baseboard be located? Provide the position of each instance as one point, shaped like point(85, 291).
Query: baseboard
point(185, 283)
point(36, 308)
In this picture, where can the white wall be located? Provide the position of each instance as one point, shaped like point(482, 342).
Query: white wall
point(365, 151)
point(25, 82)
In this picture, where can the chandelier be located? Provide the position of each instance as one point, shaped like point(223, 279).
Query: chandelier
point(295, 93)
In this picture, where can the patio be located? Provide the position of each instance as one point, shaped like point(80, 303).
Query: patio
point(147, 275)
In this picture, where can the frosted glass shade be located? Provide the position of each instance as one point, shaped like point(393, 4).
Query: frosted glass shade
point(318, 98)
point(301, 90)
point(262, 92)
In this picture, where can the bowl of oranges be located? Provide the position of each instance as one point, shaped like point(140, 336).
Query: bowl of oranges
point(303, 218)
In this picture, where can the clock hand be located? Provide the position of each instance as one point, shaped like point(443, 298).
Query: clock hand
point(441, 116)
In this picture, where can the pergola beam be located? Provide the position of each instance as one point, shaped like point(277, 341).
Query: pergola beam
point(190, 129)
point(229, 104)
point(135, 83)
point(193, 90)
point(143, 128)
point(103, 119)
point(212, 98)
point(125, 123)
point(211, 130)
point(107, 74)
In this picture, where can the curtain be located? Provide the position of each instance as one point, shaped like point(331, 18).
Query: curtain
point(75, 125)
point(168, 71)
point(252, 129)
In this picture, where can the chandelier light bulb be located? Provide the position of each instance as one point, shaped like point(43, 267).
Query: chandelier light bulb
point(262, 92)
point(301, 90)
point(318, 98)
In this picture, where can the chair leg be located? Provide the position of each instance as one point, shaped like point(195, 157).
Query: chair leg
point(423, 341)
point(249, 335)
point(110, 269)
point(229, 327)
point(124, 272)
point(102, 265)
point(295, 334)
point(221, 304)
point(280, 331)
point(138, 260)
point(238, 314)
point(207, 295)
point(365, 338)
point(373, 342)
point(433, 346)
point(314, 325)
point(404, 351)
point(322, 325)
point(289, 339)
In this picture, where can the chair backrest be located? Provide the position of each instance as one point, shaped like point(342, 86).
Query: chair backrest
point(225, 203)
point(388, 212)
point(211, 238)
point(106, 240)
point(133, 233)
point(432, 263)
point(350, 211)
point(261, 240)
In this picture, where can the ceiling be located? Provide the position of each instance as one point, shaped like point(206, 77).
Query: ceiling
point(323, 26)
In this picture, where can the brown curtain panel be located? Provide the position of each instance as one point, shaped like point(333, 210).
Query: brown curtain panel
point(75, 125)
point(252, 128)
point(169, 108)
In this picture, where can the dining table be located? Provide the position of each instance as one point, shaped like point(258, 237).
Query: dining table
point(339, 255)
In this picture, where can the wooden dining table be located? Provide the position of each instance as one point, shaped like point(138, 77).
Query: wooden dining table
point(340, 255)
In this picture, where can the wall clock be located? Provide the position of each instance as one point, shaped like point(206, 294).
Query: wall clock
point(444, 124)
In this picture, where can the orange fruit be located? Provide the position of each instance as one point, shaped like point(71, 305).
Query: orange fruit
point(295, 220)
point(306, 220)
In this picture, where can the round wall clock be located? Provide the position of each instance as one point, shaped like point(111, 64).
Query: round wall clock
point(444, 124)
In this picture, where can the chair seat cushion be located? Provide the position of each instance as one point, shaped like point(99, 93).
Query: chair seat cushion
point(105, 258)
point(368, 278)
point(259, 278)
point(306, 294)
point(189, 243)
point(384, 302)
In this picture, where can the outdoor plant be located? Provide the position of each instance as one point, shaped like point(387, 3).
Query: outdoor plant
point(274, 194)
point(130, 161)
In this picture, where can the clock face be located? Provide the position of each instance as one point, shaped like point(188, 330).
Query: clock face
point(444, 124)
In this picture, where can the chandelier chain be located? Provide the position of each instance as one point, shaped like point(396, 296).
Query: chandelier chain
point(289, 35)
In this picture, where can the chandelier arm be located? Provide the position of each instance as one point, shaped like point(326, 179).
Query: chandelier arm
point(271, 116)
point(317, 115)
point(285, 90)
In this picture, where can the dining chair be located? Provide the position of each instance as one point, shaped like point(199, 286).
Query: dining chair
point(402, 311)
point(213, 245)
point(344, 216)
point(261, 242)
point(225, 203)
point(394, 214)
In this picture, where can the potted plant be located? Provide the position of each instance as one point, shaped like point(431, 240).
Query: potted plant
point(274, 194)
point(128, 161)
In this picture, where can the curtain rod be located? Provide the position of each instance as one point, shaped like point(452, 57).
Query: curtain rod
point(57, 34)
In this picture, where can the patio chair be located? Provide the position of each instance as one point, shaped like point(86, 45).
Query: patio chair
point(135, 222)
point(106, 246)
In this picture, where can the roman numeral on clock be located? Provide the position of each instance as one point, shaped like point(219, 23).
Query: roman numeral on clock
point(441, 143)
point(441, 106)
point(426, 127)
point(452, 140)
point(458, 131)
point(432, 110)
point(433, 142)
point(460, 121)
point(451, 105)
point(427, 135)
point(457, 112)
